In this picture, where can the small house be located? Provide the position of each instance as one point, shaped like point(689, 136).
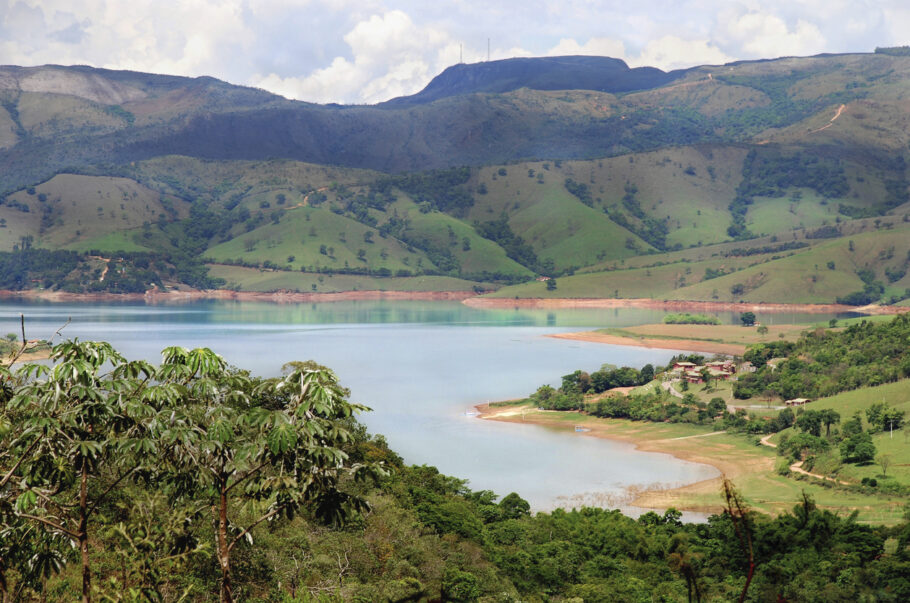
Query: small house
point(686, 366)
point(797, 401)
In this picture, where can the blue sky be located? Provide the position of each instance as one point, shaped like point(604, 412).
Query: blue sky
point(364, 51)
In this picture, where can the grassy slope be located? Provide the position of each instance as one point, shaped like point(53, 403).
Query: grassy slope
point(483, 255)
point(805, 278)
point(60, 116)
point(83, 209)
point(301, 233)
point(800, 277)
point(253, 279)
point(251, 181)
point(686, 187)
point(693, 206)
point(894, 394)
point(554, 222)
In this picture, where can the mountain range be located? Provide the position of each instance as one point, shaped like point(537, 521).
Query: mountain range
point(778, 180)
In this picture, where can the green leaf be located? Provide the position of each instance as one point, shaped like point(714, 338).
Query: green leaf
point(26, 501)
point(281, 438)
point(221, 431)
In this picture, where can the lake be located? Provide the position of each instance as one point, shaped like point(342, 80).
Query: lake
point(420, 366)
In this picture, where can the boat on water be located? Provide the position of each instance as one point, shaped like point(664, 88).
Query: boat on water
point(579, 428)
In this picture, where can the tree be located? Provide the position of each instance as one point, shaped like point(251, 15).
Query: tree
point(706, 376)
point(858, 448)
point(271, 447)
point(762, 330)
point(716, 406)
point(747, 318)
point(551, 284)
point(884, 461)
point(73, 433)
point(829, 417)
point(514, 507)
point(77, 433)
point(810, 422)
point(853, 426)
point(646, 375)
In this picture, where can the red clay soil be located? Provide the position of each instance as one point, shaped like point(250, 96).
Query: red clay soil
point(676, 305)
point(163, 297)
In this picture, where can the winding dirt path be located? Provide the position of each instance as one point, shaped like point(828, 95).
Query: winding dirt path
point(798, 466)
point(830, 123)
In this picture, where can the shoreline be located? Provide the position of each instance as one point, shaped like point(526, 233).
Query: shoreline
point(688, 345)
point(167, 297)
point(652, 496)
point(676, 305)
point(468, 298)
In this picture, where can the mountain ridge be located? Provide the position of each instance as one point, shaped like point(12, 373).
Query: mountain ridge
point(715, 169)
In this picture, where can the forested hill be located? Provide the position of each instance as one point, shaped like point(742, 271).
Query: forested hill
point(724, 183)
point(54, 117)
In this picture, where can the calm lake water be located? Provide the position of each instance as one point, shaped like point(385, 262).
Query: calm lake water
point(420, 366)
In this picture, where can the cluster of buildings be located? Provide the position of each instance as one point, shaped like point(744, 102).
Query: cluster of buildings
point(693, 373)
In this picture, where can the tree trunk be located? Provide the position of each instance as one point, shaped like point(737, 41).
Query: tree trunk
point(224, 554)
point(83, 535)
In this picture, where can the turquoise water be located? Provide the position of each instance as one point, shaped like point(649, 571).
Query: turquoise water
point(420, 366)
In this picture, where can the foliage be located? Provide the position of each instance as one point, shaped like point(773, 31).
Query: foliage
point(427, 536)
point(580, 190)
point(825, 362)
point(515, 247)
point(690, 319)
point(444, 189)
point(77, 433)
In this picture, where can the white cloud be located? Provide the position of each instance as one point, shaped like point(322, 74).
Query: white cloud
point(193, 37)
point(606, 47)
point(391, 56)
point(667, 52)
point(672, 52)
point(764, 35)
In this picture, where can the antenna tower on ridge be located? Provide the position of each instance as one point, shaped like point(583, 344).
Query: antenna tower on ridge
point(488, 49)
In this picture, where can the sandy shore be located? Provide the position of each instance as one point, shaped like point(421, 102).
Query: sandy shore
point(687, 449)
point(690, 345)
point(676, 305)
point(171, 297)
point(27, 357)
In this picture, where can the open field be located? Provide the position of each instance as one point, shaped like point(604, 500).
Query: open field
point(733, 334)
point(711, 339)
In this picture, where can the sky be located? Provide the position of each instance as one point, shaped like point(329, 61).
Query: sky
point(367, 51)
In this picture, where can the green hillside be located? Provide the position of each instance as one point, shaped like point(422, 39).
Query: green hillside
point(69, 211)
point(313, 239)
point(656, 192)
point(818, 272)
